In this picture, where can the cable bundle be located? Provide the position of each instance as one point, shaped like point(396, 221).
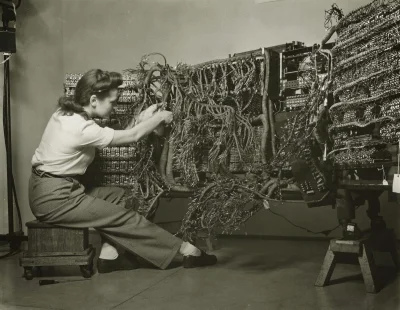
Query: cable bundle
point(366, 80)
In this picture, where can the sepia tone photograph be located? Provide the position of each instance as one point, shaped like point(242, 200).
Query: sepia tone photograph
point(199, 154)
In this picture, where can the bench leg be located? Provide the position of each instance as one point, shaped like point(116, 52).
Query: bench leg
point(327, 269)
point(368, 269)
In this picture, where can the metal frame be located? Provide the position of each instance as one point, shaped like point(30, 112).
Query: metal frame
point(14, 238)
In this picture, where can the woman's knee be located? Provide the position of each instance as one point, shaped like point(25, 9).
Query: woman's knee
point(120, 193)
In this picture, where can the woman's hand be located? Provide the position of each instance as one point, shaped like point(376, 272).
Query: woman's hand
point(146, 114)
point(166, 116)
point(143, 129)
point(167, 119)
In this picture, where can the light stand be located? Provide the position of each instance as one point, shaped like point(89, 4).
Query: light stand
point(7, 47)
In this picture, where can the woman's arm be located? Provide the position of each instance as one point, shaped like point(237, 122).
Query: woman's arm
point(144, 115)
point(141, 130)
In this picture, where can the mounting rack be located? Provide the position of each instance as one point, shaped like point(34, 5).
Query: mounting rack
point(8, 46)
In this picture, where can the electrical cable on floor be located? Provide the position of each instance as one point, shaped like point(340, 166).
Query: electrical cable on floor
point(323, 232)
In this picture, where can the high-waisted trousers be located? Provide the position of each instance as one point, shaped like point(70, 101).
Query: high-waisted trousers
point(66, 202)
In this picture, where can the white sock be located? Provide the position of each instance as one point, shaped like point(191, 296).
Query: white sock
point(108, 252)
point(189, 249)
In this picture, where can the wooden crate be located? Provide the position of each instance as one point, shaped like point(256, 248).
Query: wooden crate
point(49, 240)
point(50, 245)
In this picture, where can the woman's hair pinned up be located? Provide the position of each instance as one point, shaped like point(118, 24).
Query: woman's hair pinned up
point(94, 82)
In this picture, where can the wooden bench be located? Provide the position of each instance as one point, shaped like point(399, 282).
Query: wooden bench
point(382, 241)
point(50, 245)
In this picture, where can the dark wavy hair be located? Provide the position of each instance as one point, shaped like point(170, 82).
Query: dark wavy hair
point(94, 82)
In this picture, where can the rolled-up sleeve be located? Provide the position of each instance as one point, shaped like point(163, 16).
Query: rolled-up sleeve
point(94, 135)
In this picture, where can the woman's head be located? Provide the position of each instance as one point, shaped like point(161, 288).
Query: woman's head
point(95, 94)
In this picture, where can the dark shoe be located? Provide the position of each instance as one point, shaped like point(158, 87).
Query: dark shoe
point(124, 261)
point(199, 261)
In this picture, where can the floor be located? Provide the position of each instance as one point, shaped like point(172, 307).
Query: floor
point(251, 274)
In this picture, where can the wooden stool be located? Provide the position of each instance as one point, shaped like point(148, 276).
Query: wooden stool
point(50, 245)
point(382, 241)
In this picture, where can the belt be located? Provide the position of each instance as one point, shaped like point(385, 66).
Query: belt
point(44, 174)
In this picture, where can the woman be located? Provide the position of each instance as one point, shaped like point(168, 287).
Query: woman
point(57, 196)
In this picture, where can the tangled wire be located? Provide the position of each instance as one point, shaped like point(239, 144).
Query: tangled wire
point(366, 84)
point(219, 108)
point(224, 120)
point(222, 147)
point(333, 13)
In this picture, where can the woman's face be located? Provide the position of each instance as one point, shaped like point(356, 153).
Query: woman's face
point(104, 106)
